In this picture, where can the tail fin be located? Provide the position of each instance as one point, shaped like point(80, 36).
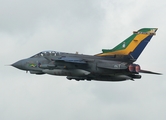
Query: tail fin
point(134, 45)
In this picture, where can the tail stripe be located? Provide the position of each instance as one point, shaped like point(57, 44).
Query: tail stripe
point(138, 50)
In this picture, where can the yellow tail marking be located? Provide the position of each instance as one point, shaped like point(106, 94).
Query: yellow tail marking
point(134, 43)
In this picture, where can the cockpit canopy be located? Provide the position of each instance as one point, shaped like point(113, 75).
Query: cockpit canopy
point(47, 53)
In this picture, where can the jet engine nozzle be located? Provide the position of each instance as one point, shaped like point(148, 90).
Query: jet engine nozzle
point(134, 68)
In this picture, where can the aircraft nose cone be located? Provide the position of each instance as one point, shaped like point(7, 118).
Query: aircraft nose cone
point(18, 64)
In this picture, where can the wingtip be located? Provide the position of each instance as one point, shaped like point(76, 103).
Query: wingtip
point(150, 72)
point(160, 74)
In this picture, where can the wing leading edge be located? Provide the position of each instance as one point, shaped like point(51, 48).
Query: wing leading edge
point(71, 60)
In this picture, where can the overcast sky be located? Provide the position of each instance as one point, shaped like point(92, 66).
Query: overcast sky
point(30, 26)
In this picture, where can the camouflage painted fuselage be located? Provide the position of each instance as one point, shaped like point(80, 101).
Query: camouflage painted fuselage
point(111, 65)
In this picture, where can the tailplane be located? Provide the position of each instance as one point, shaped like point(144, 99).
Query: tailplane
point(132, 46)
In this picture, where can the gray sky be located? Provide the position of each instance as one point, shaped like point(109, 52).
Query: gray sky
point(28, 27)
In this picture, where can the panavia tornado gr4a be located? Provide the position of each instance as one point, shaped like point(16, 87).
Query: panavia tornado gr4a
point(115, 64)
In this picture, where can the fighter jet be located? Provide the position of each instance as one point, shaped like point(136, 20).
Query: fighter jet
point(115, 64)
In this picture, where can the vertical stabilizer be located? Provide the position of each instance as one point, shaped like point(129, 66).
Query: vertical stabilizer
point(134, 45)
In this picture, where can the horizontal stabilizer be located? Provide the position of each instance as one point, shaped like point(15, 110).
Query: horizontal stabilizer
point(149, 72)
